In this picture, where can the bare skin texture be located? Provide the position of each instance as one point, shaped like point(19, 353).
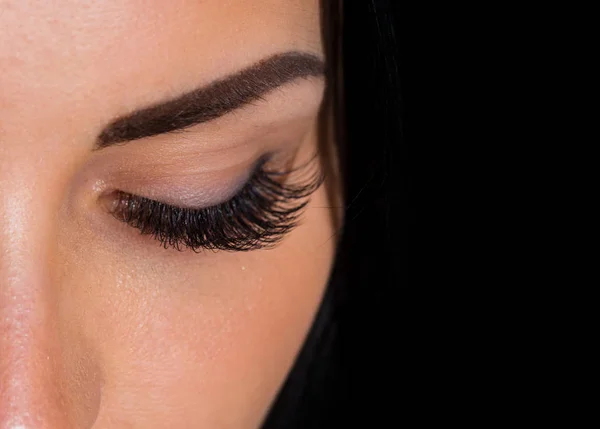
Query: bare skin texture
point(100, 326)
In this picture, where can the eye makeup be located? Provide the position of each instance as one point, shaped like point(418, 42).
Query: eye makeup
point(259, 215)
point(212, 186)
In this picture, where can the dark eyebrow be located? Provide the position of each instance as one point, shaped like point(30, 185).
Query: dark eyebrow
point(214, 100)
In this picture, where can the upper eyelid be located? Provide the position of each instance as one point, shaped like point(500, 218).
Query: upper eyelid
point(277, 214)
point(258, 165)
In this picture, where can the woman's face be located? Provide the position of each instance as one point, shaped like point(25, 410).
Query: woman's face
point(100, 325)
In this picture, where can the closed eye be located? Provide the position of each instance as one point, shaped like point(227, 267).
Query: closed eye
point(265, 209)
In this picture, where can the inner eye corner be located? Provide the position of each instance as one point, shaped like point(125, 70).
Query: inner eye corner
point(110, 200)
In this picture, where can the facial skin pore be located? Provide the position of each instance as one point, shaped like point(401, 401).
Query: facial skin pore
point(102, 327)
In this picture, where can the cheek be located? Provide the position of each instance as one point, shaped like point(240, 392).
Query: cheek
point(194, 337)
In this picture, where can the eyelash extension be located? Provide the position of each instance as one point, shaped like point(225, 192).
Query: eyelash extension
point(258, 216)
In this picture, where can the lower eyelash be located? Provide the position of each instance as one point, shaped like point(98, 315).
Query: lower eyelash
point(258, 216)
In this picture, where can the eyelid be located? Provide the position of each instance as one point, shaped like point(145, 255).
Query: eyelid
point(200, 197)
point(185, 174)
point(259, 216)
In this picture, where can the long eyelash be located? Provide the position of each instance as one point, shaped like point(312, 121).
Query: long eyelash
point(258, 216)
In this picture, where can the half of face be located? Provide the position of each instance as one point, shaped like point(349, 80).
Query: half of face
point(147, 152)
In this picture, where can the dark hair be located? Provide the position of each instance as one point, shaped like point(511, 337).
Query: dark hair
point(342, 371)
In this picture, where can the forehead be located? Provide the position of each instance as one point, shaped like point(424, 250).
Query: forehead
point(125, 53)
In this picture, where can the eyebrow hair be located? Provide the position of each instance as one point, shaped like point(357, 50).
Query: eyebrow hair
point(214, 100)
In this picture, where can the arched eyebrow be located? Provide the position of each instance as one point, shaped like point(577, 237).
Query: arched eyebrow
point(214, 100)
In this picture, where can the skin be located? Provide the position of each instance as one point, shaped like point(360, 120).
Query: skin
point(101, 327)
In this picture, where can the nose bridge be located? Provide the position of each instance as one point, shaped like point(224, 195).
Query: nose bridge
point(29, 396)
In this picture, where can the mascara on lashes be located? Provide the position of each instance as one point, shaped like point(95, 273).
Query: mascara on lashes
point(264, 210)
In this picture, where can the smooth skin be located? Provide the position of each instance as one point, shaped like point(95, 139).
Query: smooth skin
point(101, 327)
